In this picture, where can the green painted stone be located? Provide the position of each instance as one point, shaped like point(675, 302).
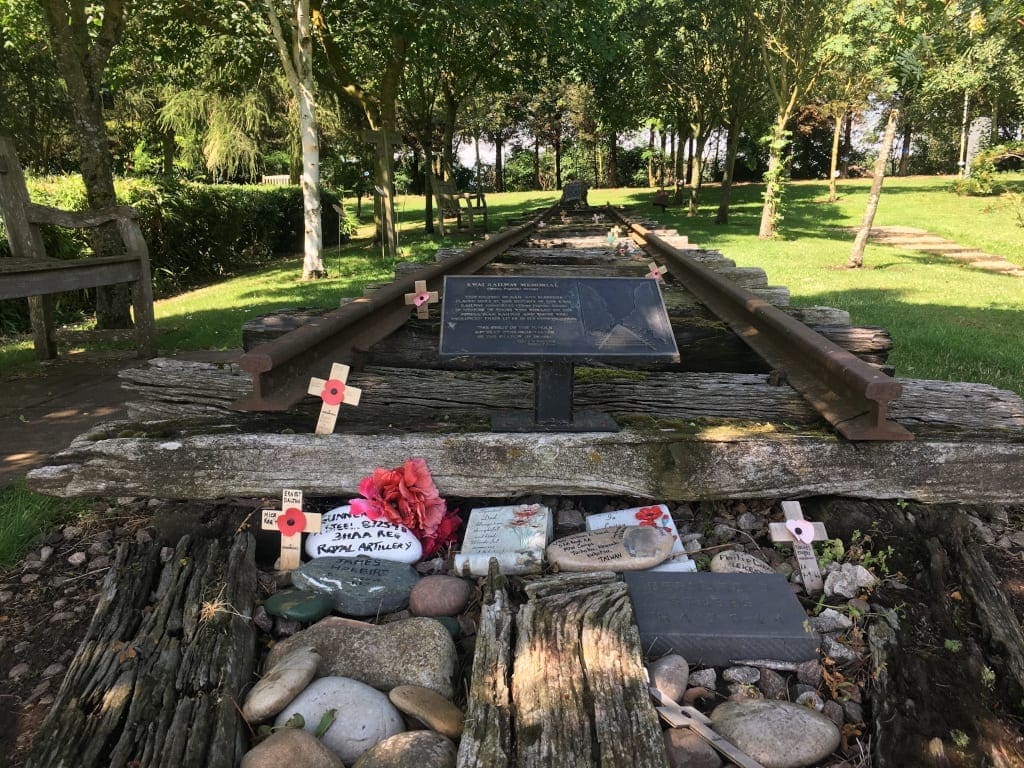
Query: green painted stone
point(297, 605)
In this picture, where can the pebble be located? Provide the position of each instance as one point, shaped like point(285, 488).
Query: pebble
point(704, 678)
point(359, 586)
point(833, 710)
point(621, 548)
point(293, 747)
point(860, 606)
point(415, 749)
point(744, 675)
point(298, 605)
point(343, 534)
point(777, 734)
point(62, 616)
point(18, 670)
point(853, 712)
point(744, 692)
point(439, 596)
point(30, 578)
point(71, 532)
point(416, 651)
point(811, 700)
point(286, 627)
point(6, 596)
point(263, 621)
point(848, 581)
point(60, 603)
point(276, 689)
point(32, 565)
point(430, 708)
point(697, 694)
point(363, 715)
point(166, 553)
point(748, 521)
point(838, 651)
point(670, 674)
point(53, 669)
point(99, 548)
point(45, 553)
point(685, 749)
point(100, 562)
point(738, 562)
point(569, 520)
point(830, 620)
point(809, 673)
point(773, 685)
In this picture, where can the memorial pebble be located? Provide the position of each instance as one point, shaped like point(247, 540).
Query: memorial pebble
point(360, 586)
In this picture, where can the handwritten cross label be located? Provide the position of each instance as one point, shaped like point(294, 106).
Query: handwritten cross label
point(421, 298)
point(656, 273)
point(801, 534)
point(333, 391)
point(291, 521)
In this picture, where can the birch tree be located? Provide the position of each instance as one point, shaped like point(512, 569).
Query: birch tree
point(295, 48)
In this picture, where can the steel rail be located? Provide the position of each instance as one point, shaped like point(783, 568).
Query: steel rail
point(281, 368)
point(851, 395)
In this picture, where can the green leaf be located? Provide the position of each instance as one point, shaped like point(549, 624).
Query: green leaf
point(325, 722)
point(296, 721)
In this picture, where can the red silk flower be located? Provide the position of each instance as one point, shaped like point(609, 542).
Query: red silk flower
point(291, 522)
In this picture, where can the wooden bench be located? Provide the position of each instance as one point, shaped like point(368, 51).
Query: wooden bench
point(455, 205)
point(30, 273)
point(574, 195)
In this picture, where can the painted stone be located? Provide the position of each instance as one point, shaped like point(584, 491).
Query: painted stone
point(299, 605)
point(515, 535)
point(655, 515)
point(343, 534)
point(623, 548)
point(282, 683)
point(730, 561)
point(359, 586)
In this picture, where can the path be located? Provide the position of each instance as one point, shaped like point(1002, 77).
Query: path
point(911, 239)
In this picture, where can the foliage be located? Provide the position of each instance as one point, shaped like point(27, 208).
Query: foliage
point(986, 165)
point(24, 514)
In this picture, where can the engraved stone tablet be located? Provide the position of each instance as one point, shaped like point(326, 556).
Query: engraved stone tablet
point(655, 515)
point(343, 534)
point(572, 319)
point(621, 548)
point(359, 586)
point(712, 619)
point(515, 535)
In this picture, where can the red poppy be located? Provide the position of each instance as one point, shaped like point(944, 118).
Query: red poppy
point(648, 516)
point(421, 299)
point(292, 521)
point(334, 392)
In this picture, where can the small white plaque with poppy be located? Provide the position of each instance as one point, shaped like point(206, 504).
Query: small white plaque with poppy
point(517, 536)
point(656, 515)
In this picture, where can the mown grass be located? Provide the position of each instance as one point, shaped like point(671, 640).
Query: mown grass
point(24, 514)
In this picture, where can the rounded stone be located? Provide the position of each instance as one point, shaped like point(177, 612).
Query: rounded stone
point(298, 605)
point(621, 548)
point(276, 689)
point(670, 675)
point(416, 749)
point(429, 707)
point(359, 586)
point(437, 596)
point(685, 749)
point(777, 734)
point(292, 747)
point(730, 561)
point(343, 534)
point(363, 715)
point(741, 674)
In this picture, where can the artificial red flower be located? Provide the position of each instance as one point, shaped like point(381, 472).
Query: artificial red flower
point(406, 496)
point(334, 392)
point(648, 516)
point(447, 533)
point(291, 522)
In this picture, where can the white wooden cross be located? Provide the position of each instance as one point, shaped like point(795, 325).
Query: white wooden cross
point(421, 298)
point(657, 273)
point(801, 533)
point(333, 391)
point(291, 521)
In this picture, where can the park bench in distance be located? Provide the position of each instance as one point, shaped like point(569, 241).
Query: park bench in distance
point(458, 204)
point(574, 195)
point(30, 273)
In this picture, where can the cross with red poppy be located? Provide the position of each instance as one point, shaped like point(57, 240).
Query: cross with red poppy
point(292, 522)
point(333, 391)
point(801, 534)
point(658, 273)
point(421, 298)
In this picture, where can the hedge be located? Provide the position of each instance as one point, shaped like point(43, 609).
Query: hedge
point(197, 233)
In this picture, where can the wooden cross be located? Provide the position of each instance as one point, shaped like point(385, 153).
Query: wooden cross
point(656, 273)
point(291, 521)
point(421, 298)
point(334, 391)
point(801, 534)
point(692, 718)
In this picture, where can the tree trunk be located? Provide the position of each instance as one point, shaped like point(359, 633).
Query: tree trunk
point(82, 60)
point(536, 164)
point(499, 165)
point(856, 259)
point(558, 160)
point(904, 168)
point(169, 149)
point(773, 177)
point(661, 162)
point(833, 170)
point(613, 159)
point(698, 168)
point(732, 147)
point(844, 165)
point(650, 157)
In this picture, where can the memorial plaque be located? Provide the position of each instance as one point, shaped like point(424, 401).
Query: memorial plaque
point(515, 535)
point(570, 319)
point(713, 619)
point(555, 322)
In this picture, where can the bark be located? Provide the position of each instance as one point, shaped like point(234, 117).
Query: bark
point(557, 146)
point(613, 159)
point(82, 62)
point(844, 166)
point(774, 175)
point(856, 259)
point(536, 164)
point(908, 134)
point(833, 172)
point(297, 60)
point(650, 157)
point(698, 168)
point(732, 147)
point(499, 165)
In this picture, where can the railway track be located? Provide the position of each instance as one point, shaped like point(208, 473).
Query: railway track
point(849, 393)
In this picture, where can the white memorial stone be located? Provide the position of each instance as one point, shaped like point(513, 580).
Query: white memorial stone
point(343, 534)
point(516, 536)
point(678, 559)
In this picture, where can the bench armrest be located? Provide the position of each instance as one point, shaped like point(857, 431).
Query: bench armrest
point(42, 214)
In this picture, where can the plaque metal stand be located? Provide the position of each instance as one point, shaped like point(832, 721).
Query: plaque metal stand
point(552, 411)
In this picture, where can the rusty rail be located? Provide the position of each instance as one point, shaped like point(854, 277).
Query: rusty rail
point(281, 368)
point(848, 392)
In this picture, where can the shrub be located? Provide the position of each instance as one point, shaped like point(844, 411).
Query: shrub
point(986, 165)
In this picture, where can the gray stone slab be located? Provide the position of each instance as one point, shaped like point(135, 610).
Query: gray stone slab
point(713, 619)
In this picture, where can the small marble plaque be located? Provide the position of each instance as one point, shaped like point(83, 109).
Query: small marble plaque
point(515, 535)
point(622, 548)
point(343, 534)
point(653, 515)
